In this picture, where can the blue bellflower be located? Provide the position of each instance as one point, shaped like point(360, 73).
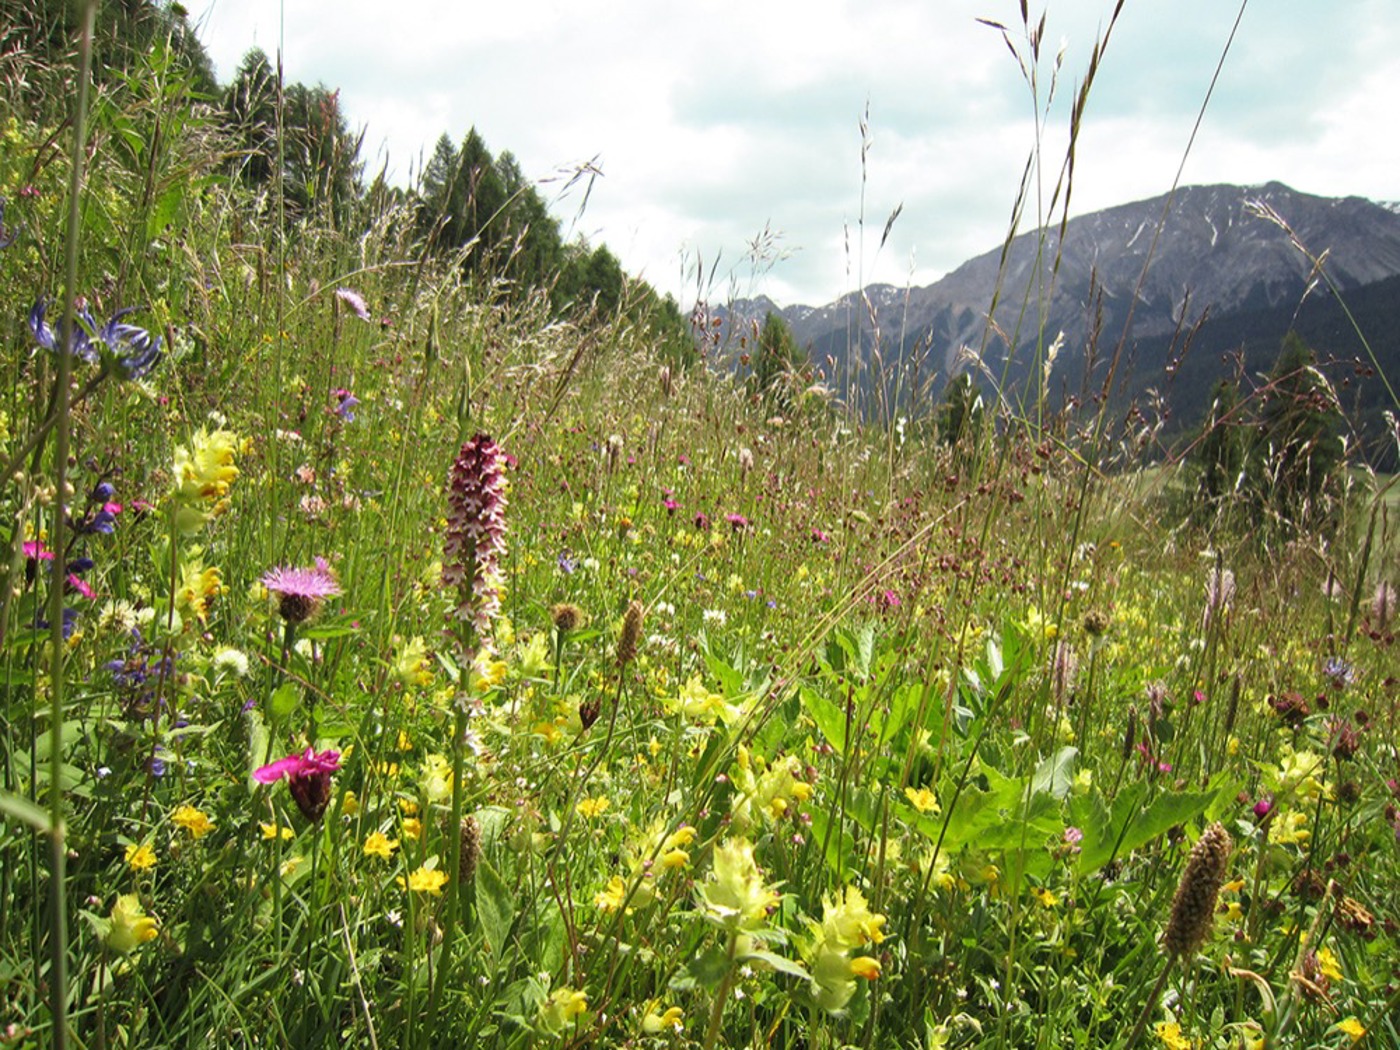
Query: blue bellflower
point(132, 350)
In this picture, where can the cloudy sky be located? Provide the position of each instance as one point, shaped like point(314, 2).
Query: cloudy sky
point(728, 133)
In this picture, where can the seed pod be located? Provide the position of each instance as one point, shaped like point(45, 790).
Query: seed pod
point(631, 634)
point(1193, 907)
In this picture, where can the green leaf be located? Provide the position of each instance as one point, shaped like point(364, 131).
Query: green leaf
point(706, 970)
point(830, 719)
point(284, 700)
point(1055, 775)
point(1132, 825)
point(779, 963)
point(494, 906)
point(24, 811)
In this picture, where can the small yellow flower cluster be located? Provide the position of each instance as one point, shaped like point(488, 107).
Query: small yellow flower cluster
point(198, 587)
point(765, 791)
point(204, 471)
point(735, 896)
point(847, 925)
point(411, 663)
point(564, 1008)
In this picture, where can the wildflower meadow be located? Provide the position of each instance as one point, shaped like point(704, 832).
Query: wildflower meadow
point(392, 659)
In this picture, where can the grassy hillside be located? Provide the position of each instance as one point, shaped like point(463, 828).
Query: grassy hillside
point(391, 660)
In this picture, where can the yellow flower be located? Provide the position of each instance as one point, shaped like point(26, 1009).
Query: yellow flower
point(564, 1007)
point(848, 922)
point(669, 1020)
point(613, 895)
point(592, 807)
point(198, 588)
point(1170, 1034)
point(864, 966)
point(130, 926)
point(408, 807)
point(413, 827)
point(1328, 965)
point(1046, 897)
point(195, 821)
point(349, 804)
point(377, 844)
point(411, 663)
point(405, 741)
point(1289, 829)
point(922, 799)
point(203, 473)
point(436, 778)
point(735, 896)
point(427, 880)
point(1352, 1027)
point(140, 858)
point(290, 865)
point(673, 854)
point(272, 831)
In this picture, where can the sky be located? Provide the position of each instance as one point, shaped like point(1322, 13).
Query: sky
point(727, 135)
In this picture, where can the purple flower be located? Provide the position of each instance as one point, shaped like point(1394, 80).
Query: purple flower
point(308, 779)
point(345, 408)
point(476, 530)
point(737, 522)
point(355, 301)
point(301, 591)
point(129, 349)
point(567, 565)
point(1263, 807)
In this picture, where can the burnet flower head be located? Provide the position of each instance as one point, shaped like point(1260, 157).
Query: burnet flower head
point(476, 530)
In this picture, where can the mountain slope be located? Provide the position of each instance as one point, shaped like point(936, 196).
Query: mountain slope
point(1215, 251)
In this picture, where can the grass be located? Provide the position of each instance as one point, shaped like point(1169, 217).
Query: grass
point(791, 730)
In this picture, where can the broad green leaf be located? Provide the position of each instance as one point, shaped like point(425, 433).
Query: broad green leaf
point(780, 964)
point(830, 718)
point(24, 811)
point(494, 906)
point(1133, 825)
point(284, 700)
point(1055, 775)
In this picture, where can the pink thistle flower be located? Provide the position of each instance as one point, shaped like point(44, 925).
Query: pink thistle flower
point(308, 779)
point(737, 522)
point(301, 591)
point(476, 530)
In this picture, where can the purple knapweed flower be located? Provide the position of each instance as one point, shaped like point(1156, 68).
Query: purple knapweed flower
point(355, 301)
point(308, 779)
point(737, 522)
point(476, 530)
point(301, 591)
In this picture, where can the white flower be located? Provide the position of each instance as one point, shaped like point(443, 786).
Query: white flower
point(227, 658)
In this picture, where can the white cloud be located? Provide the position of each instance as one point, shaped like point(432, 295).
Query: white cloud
point(711, 122)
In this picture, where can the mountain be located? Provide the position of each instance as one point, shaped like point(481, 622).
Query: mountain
point(1218, 253)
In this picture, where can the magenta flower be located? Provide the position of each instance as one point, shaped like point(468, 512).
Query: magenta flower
point(34, 551)
point(301, 591)
point(737, 522)
point(308, 779)
point(476, 530)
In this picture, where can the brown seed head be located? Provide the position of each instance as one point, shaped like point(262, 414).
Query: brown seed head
point(566, 616)
point(1193, 907)
point(631, 634)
